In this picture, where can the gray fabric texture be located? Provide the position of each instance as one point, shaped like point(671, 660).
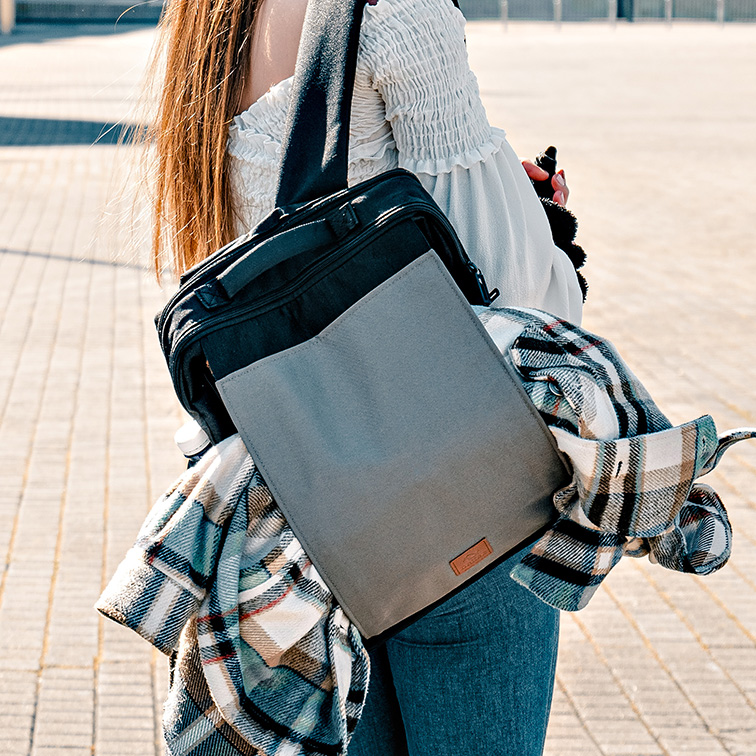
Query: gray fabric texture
point(396, 440)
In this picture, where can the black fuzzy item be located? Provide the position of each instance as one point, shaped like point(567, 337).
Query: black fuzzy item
point(563, 223)
point(564, 226)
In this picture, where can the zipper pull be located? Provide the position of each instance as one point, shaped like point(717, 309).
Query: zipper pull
point(487, 296)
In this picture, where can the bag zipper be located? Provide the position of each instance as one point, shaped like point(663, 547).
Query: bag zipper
point(210, 324)
point(203, 271)
point(204, 268)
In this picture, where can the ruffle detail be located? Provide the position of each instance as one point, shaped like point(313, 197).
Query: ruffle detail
point(254, 145)
point(266, 115)
point(369, 159)
point(466, 160)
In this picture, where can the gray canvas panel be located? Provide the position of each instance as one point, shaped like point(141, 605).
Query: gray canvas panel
point(396, 440)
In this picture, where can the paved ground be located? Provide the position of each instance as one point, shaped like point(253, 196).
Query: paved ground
point(655, 128)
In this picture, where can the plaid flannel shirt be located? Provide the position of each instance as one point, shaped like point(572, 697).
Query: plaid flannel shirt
point(267, 663)
point(633, 490)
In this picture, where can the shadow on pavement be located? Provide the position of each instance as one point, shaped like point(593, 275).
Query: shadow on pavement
point(73, 259)
point(26, 33)
point(39, 132)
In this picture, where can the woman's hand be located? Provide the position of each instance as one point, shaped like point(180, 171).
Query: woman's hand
point(558, 182)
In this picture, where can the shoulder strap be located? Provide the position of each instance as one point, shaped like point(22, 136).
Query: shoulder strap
point(316, 135)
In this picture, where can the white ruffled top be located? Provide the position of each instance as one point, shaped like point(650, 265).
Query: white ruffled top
point(416, 105)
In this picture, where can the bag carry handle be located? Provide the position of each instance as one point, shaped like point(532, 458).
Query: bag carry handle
point(273, 251)
point(287, 245)
point(316, 135)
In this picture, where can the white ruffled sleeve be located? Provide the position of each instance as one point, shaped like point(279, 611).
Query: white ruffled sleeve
point(416, 52)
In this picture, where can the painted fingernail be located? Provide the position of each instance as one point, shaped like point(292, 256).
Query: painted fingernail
point(559, 179)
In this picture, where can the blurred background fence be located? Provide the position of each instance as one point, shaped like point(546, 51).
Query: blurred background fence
point(532, 10)
point(12, 11)
point(611, 10)
point(88, 11)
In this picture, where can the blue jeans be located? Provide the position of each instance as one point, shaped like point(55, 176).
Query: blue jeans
point(473, 676)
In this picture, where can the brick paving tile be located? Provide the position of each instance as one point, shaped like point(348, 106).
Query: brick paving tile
point(654, 128)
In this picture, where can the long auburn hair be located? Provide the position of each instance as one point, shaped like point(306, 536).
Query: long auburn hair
point(203, 49)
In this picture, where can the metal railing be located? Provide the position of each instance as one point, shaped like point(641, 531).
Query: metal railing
point(77, 11)
point(610, 10)
point(557, 11)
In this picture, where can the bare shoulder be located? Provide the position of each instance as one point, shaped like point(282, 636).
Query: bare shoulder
point(282, 20)
point(278, 28)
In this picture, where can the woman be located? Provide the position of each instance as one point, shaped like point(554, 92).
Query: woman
point(475, 675)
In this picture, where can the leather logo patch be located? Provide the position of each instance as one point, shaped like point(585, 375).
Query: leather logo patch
point(468, 559)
